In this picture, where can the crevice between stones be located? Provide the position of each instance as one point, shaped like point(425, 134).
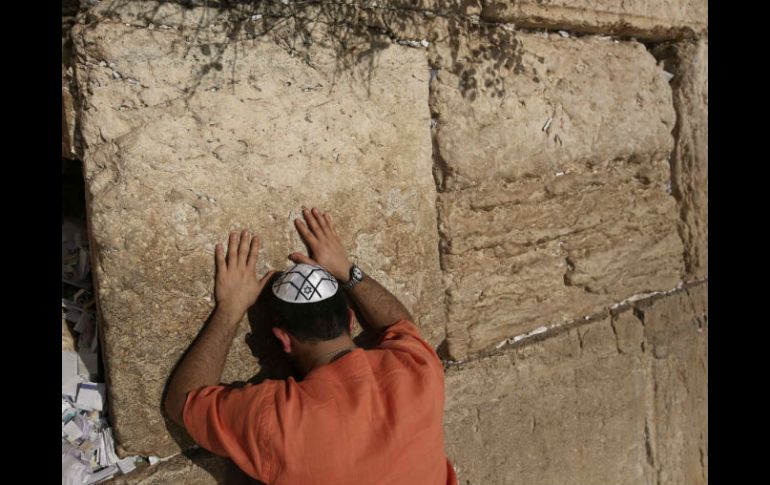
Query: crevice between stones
point(439, 170)
point(648, 446)
point(545, 332)
point(666, 53)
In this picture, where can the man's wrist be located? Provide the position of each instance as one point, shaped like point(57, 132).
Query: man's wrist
point(344, 278)
point(355, 277)
point(229, 314)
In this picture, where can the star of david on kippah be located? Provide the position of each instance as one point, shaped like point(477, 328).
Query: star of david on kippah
point(305, 283)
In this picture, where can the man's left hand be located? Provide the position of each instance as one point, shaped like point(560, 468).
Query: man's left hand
point(236, 286)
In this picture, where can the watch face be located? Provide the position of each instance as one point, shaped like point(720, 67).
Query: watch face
point(357, 274)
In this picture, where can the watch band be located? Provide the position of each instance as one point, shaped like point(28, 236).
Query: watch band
point(356, 276)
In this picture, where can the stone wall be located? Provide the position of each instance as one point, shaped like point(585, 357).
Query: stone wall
point(618, 399)
point(527, 176)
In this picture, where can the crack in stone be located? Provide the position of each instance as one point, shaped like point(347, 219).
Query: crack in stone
point(545, 331)
point(580, 340)
point(615, 331)
point(648, 446)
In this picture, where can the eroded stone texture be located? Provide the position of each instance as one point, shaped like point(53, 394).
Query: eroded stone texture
point(676, 330)
point(650, 19)
point(605, 101)
point(655, 20)
point(188, 134)
point(555, 188)
point(567, 409)
point(688, 62)
point(615, 401)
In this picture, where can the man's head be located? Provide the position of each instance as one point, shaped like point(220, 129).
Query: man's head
point(308, 307)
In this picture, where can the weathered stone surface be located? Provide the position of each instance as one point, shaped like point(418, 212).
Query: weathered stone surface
point(568, 409)
point(650, 19)
point(187, 135)
point(605, 101)
point(197, 467)
point(555, 185)
point(657, 19)
point(688, 61)
point(611, 401)
point(676, 330)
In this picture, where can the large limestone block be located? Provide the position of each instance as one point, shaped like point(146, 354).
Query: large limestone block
point(650, 19)
point(677, 331)
point(555, 185)
point(188, 134)
point(688, 61)
point(513, 105)
point(621, 400)
point(567, 409)
point(523, 256)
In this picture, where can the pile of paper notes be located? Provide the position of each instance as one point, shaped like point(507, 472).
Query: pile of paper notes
point(88, 448)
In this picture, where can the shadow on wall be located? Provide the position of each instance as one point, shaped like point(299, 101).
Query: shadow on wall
point(356, 30)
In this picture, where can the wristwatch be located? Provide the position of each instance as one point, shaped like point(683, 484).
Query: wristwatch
point(356, 275)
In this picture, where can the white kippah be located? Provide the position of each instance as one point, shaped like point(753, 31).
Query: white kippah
point(305, 283)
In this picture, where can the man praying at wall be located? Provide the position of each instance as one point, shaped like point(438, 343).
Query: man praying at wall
point(356, 417)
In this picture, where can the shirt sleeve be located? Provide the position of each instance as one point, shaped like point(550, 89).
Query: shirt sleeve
point(404, 336)
point(235, 423)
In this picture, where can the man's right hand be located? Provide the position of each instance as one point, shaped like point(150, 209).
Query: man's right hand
point(380, 308)
point(326, 249)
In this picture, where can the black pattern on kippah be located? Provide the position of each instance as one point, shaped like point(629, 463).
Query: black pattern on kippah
point(307, 289)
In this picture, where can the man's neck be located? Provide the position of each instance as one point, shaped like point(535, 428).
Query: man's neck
point(322, 353)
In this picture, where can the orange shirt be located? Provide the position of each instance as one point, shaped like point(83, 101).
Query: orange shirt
point(370, 417)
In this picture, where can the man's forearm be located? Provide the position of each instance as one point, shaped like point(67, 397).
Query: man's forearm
point(204, 362)
point(379, 307)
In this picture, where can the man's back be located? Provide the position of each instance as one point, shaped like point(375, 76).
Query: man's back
point(369, 417)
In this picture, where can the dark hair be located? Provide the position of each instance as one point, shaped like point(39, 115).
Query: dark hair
point(310, 322)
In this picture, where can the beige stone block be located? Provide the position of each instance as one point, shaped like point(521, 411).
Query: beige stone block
point(649, 19)
point(517, 105)
point(567, 409)
point(186, 139)
point(622, 400)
